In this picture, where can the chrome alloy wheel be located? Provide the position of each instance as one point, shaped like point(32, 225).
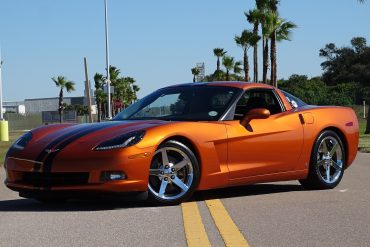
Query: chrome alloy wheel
point(329, 160)
point(171, 173)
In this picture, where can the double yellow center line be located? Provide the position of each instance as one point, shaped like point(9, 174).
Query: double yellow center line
point(195, 232)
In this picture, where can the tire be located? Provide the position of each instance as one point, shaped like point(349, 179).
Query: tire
point(173, 175)
point(327, 162)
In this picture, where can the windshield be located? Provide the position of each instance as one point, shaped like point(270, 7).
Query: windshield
point(189, 103)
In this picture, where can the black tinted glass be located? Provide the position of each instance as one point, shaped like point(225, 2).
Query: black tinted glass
point(192, 103)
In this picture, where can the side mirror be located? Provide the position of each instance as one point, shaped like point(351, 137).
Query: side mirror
point(258, 113)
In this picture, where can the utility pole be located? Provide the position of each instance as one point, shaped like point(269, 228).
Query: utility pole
point(107, 59)
point(88, 90)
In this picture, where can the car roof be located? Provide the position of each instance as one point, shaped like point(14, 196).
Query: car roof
point(236, 84)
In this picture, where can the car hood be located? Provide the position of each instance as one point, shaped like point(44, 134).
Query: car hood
point(59, 137)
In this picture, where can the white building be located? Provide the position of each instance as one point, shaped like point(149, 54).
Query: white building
point(202, 71)
point(14, 107)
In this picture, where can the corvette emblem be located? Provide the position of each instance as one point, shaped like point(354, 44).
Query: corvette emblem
point(49, 151)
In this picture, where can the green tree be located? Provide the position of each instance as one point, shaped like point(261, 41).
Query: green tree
point(246, 40)
point(100, 96)
point(62, 83)
point(277, 29)
point(219, 53)
point(254, 17)
point(237, 68)
point(264, 9)
point(195, 71)
point(125, 89)
point(81, 110)
point(312, 91)
point(346, 64)
point(229, 64)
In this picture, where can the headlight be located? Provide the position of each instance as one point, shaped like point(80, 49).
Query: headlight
point(123, 141)
point(22, 141)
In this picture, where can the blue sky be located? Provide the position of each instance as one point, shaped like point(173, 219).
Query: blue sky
point(156, 42)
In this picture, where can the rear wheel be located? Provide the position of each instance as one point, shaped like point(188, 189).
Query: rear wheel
point(327, 162)
point(173, 175)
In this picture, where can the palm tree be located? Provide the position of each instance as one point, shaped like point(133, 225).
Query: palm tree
point(114, 81)
point(237, 67)
point(136, 89)
point(229, 64)
point(278, 29)
point(254, 17)
point(245, 41)
point(195, 71)
point(263, 7)
point(130, 91)
point(219, 52)
point(265, 47)
point(69, 86)
point(100, 96)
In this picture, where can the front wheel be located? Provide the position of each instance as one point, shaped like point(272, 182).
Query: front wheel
point(327, 162)
point(173, 175)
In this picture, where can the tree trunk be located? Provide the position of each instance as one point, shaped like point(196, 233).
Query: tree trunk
point(99, 111)
point(227, 75)
point(61, 105)
point(255, 55)
point(265, 60)
point(194, 78)
point(246, 66)
point(273, 59)
point(218, 64)
point(367, 131)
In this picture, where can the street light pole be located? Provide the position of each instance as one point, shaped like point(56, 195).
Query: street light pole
point(107, 59)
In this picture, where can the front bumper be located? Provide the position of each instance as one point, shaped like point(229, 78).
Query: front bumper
point(80, 174)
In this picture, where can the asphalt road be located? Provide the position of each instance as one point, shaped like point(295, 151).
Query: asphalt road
point(277, 214)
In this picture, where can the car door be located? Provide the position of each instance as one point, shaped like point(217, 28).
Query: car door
point(266, 146)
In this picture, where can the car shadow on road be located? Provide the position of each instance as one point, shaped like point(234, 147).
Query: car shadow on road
point(30, 205)
point(246, 190)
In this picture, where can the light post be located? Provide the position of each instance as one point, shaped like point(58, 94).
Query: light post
point(107, 59)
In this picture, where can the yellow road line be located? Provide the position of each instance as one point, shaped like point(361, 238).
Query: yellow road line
point(194, 229)
point(226, 226)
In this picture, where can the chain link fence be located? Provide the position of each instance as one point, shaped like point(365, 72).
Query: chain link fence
point(19, 122)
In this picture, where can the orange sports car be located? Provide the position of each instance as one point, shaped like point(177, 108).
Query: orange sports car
point(184, 138)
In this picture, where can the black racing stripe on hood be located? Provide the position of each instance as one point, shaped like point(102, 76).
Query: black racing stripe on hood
point(43, 153)
point(49, 160)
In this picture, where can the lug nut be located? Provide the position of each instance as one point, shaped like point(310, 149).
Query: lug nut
point(165, 179)
point(172, 177)
point(162, 172)
point(166, 167)
point(172, 169)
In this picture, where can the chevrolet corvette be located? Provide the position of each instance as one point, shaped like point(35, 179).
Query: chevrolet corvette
point(184, 138)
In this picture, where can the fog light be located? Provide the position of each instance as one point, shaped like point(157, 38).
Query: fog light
point(112, 176)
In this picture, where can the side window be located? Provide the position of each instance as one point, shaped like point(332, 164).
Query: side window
point(294, 101)
point(253, 99)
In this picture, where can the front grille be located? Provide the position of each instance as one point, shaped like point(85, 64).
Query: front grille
point(55, 179)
